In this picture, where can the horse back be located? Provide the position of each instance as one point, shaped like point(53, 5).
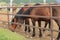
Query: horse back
point(40, 11)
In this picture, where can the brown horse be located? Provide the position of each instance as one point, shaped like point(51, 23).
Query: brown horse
point(33, 11)
point(41, 11)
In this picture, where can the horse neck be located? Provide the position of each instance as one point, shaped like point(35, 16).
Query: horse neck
point(25, 8)
point(28, 10)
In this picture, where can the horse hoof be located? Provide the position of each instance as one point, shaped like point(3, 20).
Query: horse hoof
point(25, 30)
point(29, 31)
point(44, 30)
point(33, 35)
point(40, 35)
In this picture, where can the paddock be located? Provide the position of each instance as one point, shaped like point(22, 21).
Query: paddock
point(49, 34)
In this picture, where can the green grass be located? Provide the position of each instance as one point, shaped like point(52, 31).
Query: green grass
point(8, 35)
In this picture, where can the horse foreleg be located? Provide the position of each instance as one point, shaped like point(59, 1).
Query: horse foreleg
point(13, 25)
point(45, 25)
point(46, 22)
point(40, 33)
point(33, 34)
point(27, 28)
point(49, 24)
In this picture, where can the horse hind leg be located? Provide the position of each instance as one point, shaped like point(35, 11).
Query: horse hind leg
point(45, 25)
point(47, 22)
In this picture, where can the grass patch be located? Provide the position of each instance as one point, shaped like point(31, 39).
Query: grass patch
point(5, 34)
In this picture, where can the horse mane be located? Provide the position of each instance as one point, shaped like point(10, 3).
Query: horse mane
point(29, 10)
point(21, 10)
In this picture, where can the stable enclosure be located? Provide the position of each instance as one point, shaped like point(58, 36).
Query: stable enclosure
point(7, 13)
